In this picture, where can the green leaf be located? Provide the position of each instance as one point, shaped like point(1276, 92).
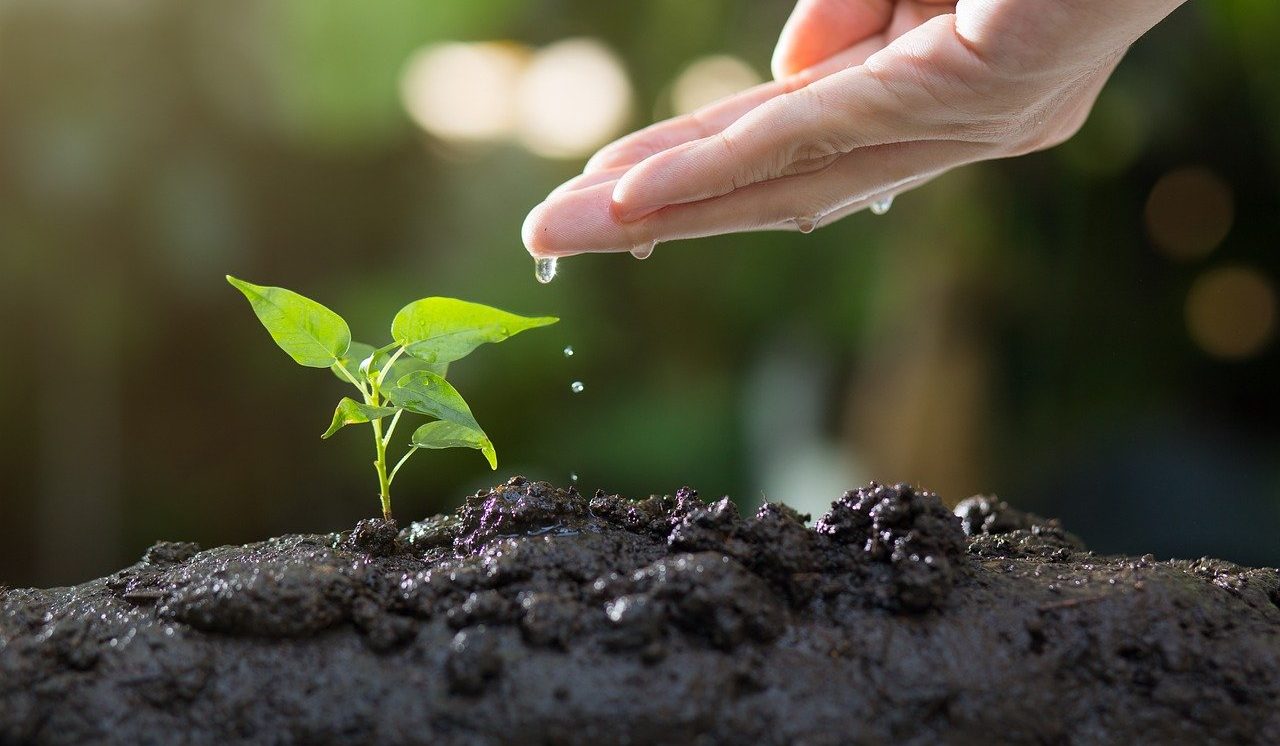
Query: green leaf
point(359, 352)
point(403, 366)
point(441, 434)
point(352, 412)
point(427, 393)
point(441, 330)
point(355, 354)
point(406, 365)
point(311, 334)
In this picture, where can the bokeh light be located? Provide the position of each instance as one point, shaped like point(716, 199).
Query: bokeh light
point(1231, 312)
point(1189, 213)
point(574, 97)
point(709, 79)
point(464, 91)
point(1006, 328)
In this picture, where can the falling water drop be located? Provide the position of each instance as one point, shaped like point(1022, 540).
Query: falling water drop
point(573, 476)
point(881, 206)
point(576, 387)
point(544, 268)
point(568, 351)
point(644, 251)
point(806, 224)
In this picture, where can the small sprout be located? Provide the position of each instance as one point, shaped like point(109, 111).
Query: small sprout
point(407, 375)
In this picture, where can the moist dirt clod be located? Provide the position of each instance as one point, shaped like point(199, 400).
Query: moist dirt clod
point(538, 615)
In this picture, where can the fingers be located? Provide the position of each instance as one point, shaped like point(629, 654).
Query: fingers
point(716, 116)
point(581, 221)
point(702, 123)
point(867, 201)
point(857, 205)
point(818, 29)
point(589, 179)
point(798, 132)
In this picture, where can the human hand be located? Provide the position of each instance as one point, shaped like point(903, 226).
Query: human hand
point(871, 98)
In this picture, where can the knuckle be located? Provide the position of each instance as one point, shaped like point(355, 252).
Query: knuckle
point(831, 115)
point(749, 158)
point(729, 146)
point(739, 165)
point(818, 126)
point(698, 123)
point(809, 158)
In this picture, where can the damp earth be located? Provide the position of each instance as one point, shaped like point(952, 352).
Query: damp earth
point(535, 614)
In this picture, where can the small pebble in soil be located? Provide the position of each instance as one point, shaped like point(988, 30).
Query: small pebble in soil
point(576, 387)
point(881, 206)
point(375, 536)
point(473, 659)
point(544, 268)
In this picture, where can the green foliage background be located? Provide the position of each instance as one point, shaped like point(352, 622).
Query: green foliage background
point(1008, 328)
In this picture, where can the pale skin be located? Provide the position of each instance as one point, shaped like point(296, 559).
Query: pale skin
point(871, 98)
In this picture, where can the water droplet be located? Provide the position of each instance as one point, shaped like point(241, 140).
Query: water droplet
point(568, 351)
point(573, 476)
point(576, 387)
point(645, 251)
point(806, 224)
point(881, 206)
point(544, 268)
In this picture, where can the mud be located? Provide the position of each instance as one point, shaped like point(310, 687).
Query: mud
point(538, 615)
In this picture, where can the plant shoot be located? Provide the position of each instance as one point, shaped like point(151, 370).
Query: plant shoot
point(407, 375)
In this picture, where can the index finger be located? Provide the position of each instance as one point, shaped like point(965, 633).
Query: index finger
point(696, 125)
point(719, 115)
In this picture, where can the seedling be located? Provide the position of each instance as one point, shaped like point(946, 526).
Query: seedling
point(407, 375)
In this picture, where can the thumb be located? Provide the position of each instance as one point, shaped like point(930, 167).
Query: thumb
point(818, 29)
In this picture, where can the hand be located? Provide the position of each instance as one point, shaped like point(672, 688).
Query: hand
point(871, 98)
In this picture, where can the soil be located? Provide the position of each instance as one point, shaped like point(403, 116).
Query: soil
point(537, 615)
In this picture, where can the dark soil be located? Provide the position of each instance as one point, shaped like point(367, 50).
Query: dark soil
point(536, 615)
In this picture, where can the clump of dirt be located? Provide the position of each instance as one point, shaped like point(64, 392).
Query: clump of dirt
point(537, 615)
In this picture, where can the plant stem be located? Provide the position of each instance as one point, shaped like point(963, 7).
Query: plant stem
point(373, 397)
point(386, 368)
point(392, 427)
point(400, 463)
point(353, 380)
point(380, 465)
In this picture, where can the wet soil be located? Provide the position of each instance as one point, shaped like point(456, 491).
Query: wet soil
point(538, 615)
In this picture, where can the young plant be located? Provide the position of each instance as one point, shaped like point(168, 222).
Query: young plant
point(407, 375)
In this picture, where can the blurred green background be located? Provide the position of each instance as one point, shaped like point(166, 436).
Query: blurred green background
point(1089, 332)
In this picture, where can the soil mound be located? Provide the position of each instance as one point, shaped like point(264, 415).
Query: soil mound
point(538, 615)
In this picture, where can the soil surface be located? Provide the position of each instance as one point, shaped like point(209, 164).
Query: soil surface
point(536, 615)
